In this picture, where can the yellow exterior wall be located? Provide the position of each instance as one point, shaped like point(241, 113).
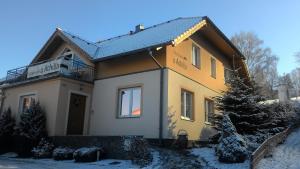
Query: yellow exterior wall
point(173, 123)
point(132, 63)
point(179, 60)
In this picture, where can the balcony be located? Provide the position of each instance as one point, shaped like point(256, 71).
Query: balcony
point(64, 67)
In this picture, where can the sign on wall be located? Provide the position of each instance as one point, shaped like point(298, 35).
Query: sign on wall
point(44, 68)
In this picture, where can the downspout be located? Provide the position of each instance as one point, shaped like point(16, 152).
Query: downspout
point(2, 96)
point(161, 96)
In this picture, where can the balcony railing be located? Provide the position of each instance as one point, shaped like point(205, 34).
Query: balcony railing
point(66, 67)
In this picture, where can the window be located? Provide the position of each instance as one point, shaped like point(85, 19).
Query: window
point(26, 101)
point(76, 61)
point(209, 110)
point(227, 74)
point(213, 67)
point(130, 102)
point(187, 107)
point(196, 56)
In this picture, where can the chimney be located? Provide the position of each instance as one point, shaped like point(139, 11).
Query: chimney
point(139, 28)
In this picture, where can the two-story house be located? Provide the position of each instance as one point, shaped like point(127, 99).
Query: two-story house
point(154, 82)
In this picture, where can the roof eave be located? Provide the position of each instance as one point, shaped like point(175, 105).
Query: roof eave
point(131, 52)
point(224, 37)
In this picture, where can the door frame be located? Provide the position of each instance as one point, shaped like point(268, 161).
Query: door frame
point(86, 111)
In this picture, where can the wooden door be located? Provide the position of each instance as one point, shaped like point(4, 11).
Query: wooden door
point(76, 114)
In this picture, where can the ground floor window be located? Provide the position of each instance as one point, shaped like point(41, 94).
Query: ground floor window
point(26, 101)
point(209, 110)
point(130, 102)
point(187, 104)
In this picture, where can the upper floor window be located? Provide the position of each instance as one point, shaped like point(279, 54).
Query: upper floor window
point(213, 68)
point(130, 102)
point(196, 61)
point(227, 74)
point(187, 104)
point(209, 110)
point(70, 55)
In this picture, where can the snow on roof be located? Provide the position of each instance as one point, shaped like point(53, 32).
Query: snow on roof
point(152, 36)
point(89, 47)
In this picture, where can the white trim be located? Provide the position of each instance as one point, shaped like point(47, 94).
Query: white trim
point(130, 102)
point(26, 94)
point(86, 113)
point(18, 113)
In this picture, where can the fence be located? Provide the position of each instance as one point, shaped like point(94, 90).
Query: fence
point(267, 146)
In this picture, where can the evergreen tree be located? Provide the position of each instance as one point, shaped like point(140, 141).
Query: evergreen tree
point(7, 123)
point(33, 123)
point(243, 104)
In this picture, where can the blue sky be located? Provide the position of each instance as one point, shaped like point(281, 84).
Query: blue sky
point(25, 26)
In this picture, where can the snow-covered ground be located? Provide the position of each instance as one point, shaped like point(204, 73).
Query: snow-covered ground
point(285, 156)
point(208, 155)
point(7, 161)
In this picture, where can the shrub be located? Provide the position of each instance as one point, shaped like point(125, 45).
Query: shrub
point(30, 129)
point(232, 147)
point(86, 154)
point(138, 150)
point(32, 123)
point(43, 150)
point(7, 124)
point(282, 114)
point(63, 153)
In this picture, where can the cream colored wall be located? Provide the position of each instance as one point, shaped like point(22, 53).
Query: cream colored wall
point(68, 86)
point(104, 119)
point(47, 94)
point(173, 122)
point(54, 97)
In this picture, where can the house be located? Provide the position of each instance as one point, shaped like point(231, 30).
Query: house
point(156, 82)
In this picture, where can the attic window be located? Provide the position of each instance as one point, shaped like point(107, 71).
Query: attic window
point(70, 55)
point(67, 53)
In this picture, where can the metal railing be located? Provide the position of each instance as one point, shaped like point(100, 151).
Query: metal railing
point(68, 68)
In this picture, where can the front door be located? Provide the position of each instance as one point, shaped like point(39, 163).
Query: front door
point(76, 114)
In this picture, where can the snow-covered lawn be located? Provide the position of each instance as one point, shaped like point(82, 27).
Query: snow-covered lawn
point(9, 162)
point(208, 155)
point(285, 156)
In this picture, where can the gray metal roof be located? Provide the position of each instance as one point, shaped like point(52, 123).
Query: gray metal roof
point(152, 36)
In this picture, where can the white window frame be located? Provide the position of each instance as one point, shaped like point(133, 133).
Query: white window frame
point(184, 104)
point(31, 96)
point(213, 70)
point(130, 102)
point(196, 58)
point(206, 110)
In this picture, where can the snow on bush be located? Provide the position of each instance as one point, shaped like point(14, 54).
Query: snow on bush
point(43, 150)
point(243, 104)
point(232, 147)
point(30, 129)
point(138, 150)
point(86, 154)
point(32, 124)
point(63, 153)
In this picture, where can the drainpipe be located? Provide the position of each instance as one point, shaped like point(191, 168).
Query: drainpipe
point(161, 96)
point(2, 96)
